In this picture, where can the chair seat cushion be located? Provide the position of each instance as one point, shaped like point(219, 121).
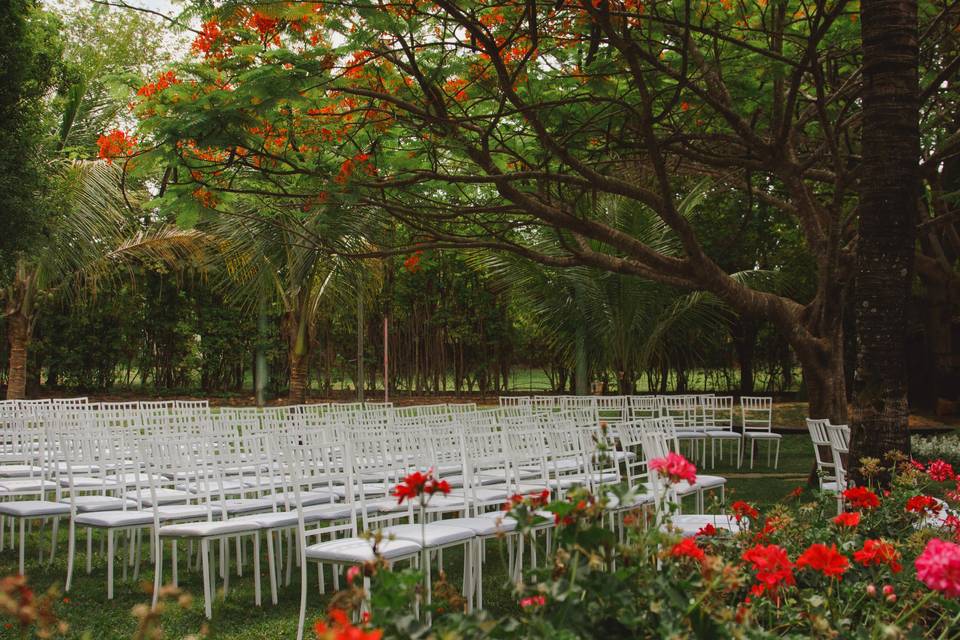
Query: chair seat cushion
point(360, 550)
point(435, 534)
point(130, 478)
point(87, 483)
point(721, 434)
point(207, 528)
point(565, 482)
point(164, 496)
point(86, 504)
point(112, 519)
point(706, 481)
point(244, 505)
point(483, 494)
point(281, 519)
point(830, 487)
point(33, 508)
point(484, 526)
point(212, 486)
point(762, 435)
point(18, 485)
point(19, 470)
point(640, 499)
point(184, 511)
point(692, 523)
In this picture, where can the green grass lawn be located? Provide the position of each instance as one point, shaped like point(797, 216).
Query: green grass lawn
point(235, 617)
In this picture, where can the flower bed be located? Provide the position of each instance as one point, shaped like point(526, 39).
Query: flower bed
point(888, 566)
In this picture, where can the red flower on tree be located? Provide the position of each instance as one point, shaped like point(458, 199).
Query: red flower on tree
point(115, 144)
point(826, 560)
point(707, 530)
point(861, 498)
point(412, 264)
point(878, 552)
point(207, 40)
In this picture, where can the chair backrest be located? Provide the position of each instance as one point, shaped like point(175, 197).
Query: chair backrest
point(718, 413)
point(756, 413)
point(643, 406)
point(822, 451)
point(839, 436)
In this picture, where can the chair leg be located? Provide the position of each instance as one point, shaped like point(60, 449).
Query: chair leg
point(90, 550)
point(174, 576)
point(303, 599)
point(157, 567)
point(71, 552)
point(776, 459)
point(272, 567)
point(110, 558)
point(239, 557)
point(55, 530)
point(256, 569)
point(205, 560)
point(23, 538)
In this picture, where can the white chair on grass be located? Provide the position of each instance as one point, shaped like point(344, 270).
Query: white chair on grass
point(757, 416)
point(718, 425)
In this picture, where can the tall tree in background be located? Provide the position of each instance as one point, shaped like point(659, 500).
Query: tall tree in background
point(480, 123)
point(889, 189)
point(29, 61)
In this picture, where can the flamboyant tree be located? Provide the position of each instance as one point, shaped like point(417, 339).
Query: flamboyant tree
point(501, 123)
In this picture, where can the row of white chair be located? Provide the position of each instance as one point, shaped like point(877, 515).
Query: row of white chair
point(316, 478)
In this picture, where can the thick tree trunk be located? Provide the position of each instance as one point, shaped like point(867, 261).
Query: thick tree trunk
point(744, 341)
point(18, 335)
point(887, 233)
point(825, 382)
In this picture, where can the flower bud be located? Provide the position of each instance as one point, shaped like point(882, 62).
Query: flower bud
point(871, 590)
point(888, 589)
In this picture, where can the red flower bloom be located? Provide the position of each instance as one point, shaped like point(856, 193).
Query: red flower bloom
point(412, 486)
point(437, 486)
point(878, 552)
point(861, 498)
point(923, 505)
point(533, 601)
point(707, 530)
point(847, 519)
point(770, 527)
point(826, 560)
point(772, 565)
point(412, 264)
point(940, 471)
point(340, 628)
point(743, 510)
point(114, 145)
point(687, 548)
point(674, 467)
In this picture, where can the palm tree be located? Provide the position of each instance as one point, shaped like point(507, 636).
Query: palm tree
point(92, 239)
point(280, 257)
